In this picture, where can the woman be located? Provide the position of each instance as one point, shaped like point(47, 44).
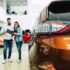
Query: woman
point(18, 39)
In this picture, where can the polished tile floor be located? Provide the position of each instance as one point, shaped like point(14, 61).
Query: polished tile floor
point(24, 65)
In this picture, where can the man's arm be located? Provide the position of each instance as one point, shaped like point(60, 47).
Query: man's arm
point(3, 31)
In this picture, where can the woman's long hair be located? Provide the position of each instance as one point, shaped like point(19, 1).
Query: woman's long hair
point(14, 25)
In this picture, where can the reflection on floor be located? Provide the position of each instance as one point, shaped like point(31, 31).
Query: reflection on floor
point(24, 65)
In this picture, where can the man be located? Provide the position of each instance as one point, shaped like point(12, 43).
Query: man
point(7, 41)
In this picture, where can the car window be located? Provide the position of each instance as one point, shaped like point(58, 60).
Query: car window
point(59, 12)
point(56, 19)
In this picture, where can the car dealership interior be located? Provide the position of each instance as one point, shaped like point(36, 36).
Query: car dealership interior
point(35, 34)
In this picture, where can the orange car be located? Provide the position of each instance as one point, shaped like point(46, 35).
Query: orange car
point(2, 25)
point(52, 40)
point(1, 40)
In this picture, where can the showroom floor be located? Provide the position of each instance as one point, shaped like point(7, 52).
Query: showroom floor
point(24, 65)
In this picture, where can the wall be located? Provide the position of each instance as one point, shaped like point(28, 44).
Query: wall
point(34, 8)
point(18, 9)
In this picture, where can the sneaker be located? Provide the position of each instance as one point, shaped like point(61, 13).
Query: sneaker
point(19, 61)
point(4, 61)
point(9, 60)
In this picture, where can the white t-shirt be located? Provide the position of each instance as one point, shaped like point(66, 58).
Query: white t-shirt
point(7, 36)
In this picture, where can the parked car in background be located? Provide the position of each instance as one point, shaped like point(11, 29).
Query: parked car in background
point(26, 36)
point(2, 24)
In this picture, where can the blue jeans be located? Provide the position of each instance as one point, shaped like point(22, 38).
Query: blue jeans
point(19, 45)
point(7, 45)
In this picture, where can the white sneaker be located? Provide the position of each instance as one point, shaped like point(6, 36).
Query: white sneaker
point(19, 61)
point(9, 60)
point(4, 61)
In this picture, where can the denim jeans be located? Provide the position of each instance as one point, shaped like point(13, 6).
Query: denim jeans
point(19, 45)
point(7, 45)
